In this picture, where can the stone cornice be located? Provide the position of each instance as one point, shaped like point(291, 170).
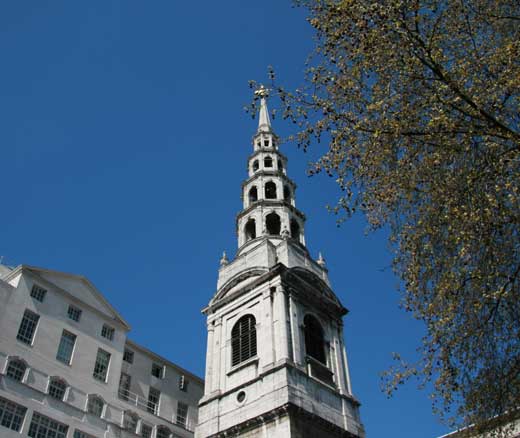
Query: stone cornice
point(316, 292)
point(287, 409)
point(312, 290)
point(213, 306)
point(265, 150)
point(284, 363)
point(270, 203)
point(267, 173)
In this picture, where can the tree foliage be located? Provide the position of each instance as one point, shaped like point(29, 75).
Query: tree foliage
point(418, 102)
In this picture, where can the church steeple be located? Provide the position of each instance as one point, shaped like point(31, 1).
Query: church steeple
point(269, 207)
point(276, 365)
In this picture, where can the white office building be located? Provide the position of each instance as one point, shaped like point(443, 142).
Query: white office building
point(68, 369)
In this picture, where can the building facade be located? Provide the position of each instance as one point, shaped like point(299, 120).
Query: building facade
point(68, 369)
point(276, 364)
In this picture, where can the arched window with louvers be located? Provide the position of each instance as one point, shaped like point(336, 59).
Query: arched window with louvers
point(243, 340)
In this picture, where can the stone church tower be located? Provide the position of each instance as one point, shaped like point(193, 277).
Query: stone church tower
point(276, 364)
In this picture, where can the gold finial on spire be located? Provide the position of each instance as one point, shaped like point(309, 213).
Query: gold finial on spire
point(264, 121)
point(262, 92)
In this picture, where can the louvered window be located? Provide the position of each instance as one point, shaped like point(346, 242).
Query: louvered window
point(314, 341)
point(243, 339)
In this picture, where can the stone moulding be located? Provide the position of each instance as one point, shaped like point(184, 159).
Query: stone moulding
point(288, 409)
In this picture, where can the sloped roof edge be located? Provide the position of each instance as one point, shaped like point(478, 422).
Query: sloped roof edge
point(81, 278)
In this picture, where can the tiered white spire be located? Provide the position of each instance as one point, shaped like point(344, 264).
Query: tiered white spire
point(268, 193)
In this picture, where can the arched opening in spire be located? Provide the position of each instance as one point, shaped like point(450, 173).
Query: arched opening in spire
point(268, 162)
point(273, 224)
point(280, 166)
point(255, 165)
point(253, 195)
point(287, 193)
point(295, 230)
point(314, 339)
point(250, 230)
point(270, 190)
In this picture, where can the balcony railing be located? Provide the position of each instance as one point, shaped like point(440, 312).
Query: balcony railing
point(143, 403)
point(319, 371)
point(138, 401)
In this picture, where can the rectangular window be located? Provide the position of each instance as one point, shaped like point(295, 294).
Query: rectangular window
point(80, 434)
point(16, 369)
point(38, 293)
point(27, 327)
point(146, 431)
point(157, 370)
point(57, 388)
point(101, 366)
point(45, 427)
point(154, 397)
point(66, 347)
point(182, 414)
point(128, 356)
point(124, 386)
point(74, 313)
point(11, 414)
point(95, 405)
point(107, 332)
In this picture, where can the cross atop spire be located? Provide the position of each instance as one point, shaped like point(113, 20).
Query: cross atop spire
point(264, 122)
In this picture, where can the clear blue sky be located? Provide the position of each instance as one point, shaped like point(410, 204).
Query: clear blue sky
point(123, 146)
